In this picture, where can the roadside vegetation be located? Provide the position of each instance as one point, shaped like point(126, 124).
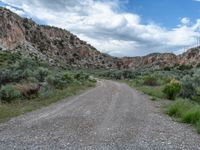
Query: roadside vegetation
point(180, 84)
point(185, 111)
point(26, 85)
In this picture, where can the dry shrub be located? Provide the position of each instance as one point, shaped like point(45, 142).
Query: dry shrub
point(27, 89)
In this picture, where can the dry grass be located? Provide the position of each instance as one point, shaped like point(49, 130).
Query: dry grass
point(27, 89)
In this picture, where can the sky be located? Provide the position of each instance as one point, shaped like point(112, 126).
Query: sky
point(120, 27)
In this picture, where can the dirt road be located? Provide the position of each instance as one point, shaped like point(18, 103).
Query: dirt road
point(111, 116)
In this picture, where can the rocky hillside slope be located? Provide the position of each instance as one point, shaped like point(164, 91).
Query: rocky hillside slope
point(190, 57)
point(54, 45)
point(60, 47)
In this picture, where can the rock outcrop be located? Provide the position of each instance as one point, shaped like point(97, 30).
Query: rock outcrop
point(60, 47)
point(53, 45)
point(190, 57)
point(153, 61)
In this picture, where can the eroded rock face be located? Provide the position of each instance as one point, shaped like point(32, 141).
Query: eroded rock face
point(11, 29)
point(191, 57)
point(152, 61)
point(59, 47)
point(54, 45)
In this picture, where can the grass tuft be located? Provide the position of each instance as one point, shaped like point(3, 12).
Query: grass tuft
point(155, 91)
point(198, 126)
point(177, 108)
point(192, 115)
point(186, 112)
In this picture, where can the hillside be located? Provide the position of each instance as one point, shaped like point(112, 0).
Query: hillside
point(61, 48)
point(53, 45)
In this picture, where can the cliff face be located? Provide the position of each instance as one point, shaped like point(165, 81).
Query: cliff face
point(54, 45)
point(11, 29)
point(153, 61)
point(191, 57)
point(59, 47)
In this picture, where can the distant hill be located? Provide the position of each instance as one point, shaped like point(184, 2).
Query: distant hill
point(60, 47)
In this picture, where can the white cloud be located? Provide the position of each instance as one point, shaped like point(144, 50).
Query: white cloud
point(185, 21)
point(17, 11)
point(100, 23)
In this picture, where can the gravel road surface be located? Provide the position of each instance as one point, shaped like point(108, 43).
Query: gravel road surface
point(111, 116)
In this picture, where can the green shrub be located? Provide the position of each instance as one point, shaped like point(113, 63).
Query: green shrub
point(184, 67)
point(165, 80)
point(190, 84)
point(5, 76)
point(23, 73)
point(81, 76)
point(127, 74)
point(56, 81)
point(32, 80)
point(196, 78)
point(76, 82)
point(198, 65)
point(196, 97)
point(187, 87)
point(138, 82)
point(172, 89)
point(41, 74)
point(7, 58)
point(68, 78)
point(14, 75)
point(8, 93)
point(167, 69)
point(8, 76)
point(51, 80)
point(25, 64)
point(150, 81)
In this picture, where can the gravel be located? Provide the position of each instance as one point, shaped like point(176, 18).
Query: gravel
point(108, 117)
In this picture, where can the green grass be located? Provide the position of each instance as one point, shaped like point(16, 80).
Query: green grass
point(178, 108)
point(154, 91)
point(186, 112)
point(19, 107)
point(192, 115)
point(198, 127)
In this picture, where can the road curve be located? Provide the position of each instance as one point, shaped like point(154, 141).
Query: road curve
point(111, 116)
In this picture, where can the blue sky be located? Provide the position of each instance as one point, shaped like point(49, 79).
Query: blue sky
point(120, 27)
point(165, 12)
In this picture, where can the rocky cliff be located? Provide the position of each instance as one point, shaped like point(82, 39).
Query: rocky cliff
point(60, 47)
point(190, 57)
point(153, 61)
point(51, 44)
